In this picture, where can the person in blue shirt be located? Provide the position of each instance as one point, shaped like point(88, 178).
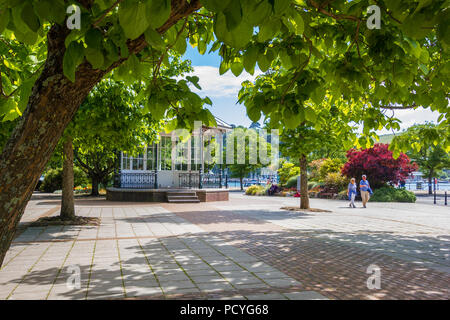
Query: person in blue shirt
point(365, 189)
point(351, 192)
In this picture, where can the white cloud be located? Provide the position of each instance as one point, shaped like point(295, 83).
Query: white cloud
point(410, 117)
point(215, 85)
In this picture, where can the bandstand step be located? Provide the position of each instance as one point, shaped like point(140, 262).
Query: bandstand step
point(182, 197)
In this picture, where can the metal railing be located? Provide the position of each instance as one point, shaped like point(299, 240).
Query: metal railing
point(191, 180)
point(137, 180)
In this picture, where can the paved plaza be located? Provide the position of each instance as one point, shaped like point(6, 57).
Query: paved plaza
point(245, 248)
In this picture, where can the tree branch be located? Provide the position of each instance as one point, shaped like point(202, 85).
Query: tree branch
point(332, 15)
point(95, 24)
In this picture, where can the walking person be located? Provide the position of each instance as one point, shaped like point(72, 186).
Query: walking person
point(365, 189)
point(351, 192)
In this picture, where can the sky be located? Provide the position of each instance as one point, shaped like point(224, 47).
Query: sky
point(223, 91)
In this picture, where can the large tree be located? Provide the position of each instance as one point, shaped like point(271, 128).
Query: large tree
point(107, 122)
point(54, 67)
point(424, 145)
point(323, 124)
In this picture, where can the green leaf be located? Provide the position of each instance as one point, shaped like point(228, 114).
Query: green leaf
point(50, 10)
point(297, 22)
point(280, 6)
point(11, 65)
point(268, 30)
point(158, 12)
point(250, 56)
point(310, 114)
point(237, 38)
point(6, 105)
point(264, 62)
point(194, 80)
point(208, 101)
point(291, 119)
point(94, 39)
point(154, 39)
point(133, 18)
point(237, 67)
point(30, 18)
point(73, 57)
point(254, 113)
point(215, 5)
point(25, 91)
point(4, 19)
point(224, 66)
point(233, 15)
point(181, 45)
point(94, 57)
point(256, 11)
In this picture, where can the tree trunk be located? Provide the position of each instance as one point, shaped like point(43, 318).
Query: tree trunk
point(304, 197)
point(52, 104)
point(95, 181)
point(242, 185)
point(67, 201)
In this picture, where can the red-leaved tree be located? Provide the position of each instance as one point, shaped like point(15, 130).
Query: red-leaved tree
point(378, 165)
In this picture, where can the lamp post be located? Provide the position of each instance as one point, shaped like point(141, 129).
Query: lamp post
point(200, 171)
point(155, 186)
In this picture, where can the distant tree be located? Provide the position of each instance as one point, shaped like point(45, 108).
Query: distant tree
point(378, 164)
point(255, 125)
point(431, 157)
point(253, 141)
point(109, 121)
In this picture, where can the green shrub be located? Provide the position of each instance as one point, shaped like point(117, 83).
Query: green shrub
point(342, 195)
point(334, 182)
point(329, 166)
point(256, 190)
point(287, 171)
point(391, 194)
point(314, 184)
point(53, 179)
point(292, 182)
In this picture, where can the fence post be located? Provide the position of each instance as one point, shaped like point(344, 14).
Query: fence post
point(117, 171)
point(190, 180)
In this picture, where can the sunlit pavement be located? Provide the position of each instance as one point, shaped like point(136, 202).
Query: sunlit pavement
point(246, 248)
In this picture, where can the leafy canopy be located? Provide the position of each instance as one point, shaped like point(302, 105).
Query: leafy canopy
point(425, 147)
point(311, 49)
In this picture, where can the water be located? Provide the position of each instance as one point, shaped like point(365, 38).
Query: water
point(442, 186)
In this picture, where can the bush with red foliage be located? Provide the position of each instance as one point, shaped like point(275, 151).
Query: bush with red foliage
point(378, 165)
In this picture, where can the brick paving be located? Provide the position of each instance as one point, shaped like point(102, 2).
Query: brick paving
point(246, 248)
point(330, 253)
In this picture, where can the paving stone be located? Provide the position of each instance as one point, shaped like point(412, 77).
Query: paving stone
point(408, 241)
point(305, 295)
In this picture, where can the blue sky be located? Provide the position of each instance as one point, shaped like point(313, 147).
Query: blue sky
point(223, 91)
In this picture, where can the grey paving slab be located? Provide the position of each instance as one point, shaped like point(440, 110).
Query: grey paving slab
point(30, 268)
point(305, 295)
